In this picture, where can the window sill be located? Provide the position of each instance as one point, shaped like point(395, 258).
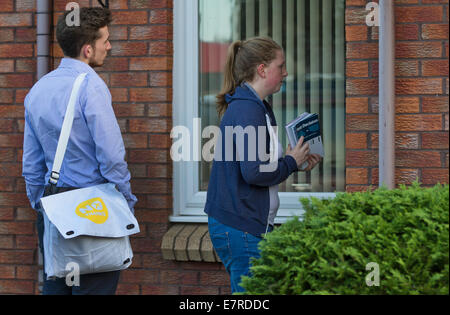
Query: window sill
point(188, 242)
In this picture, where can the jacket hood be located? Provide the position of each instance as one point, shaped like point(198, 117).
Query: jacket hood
point(242, 92)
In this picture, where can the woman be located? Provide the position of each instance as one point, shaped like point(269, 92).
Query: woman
point(242, 199)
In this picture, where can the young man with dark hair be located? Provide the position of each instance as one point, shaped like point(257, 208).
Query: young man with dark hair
point(95, 152)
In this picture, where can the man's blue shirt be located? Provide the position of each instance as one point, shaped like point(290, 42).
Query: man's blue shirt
point(95, 152)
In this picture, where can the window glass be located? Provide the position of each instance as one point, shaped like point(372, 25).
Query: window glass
point(312, 35)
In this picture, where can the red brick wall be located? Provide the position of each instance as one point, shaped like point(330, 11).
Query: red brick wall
point(138, 73)
point(421, 70)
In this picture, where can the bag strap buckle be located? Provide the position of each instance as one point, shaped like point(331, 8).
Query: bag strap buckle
point(54, 177)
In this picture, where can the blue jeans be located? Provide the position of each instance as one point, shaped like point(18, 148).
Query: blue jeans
point(235, 248)
point(91, 284)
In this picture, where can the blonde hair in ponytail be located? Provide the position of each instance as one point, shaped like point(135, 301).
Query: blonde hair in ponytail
point(242, 60)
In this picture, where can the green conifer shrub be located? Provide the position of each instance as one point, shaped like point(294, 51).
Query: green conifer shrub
point(405, 231)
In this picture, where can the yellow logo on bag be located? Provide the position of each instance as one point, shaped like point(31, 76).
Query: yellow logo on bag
point(94, 210)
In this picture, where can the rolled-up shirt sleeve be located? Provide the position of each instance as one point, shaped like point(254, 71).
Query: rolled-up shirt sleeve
point(109, 146)
point(33, 164)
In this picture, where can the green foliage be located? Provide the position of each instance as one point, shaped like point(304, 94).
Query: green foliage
point(405, 231)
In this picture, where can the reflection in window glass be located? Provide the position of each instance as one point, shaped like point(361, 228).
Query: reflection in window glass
point(312, 35)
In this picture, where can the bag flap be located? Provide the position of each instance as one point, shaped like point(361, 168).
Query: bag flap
point(95, 211)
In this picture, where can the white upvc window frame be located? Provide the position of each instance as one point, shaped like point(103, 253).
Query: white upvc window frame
point(188, 201)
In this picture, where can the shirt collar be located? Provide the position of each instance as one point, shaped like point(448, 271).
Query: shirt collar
point(76, 64)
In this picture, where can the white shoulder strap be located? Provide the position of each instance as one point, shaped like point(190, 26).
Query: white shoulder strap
point(65, 130)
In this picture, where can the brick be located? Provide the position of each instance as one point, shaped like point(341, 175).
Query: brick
point(129, 110)
point(357, 69)
point(362, 122)
point(435, 67)
point(6, 155)
point(416, 49)
point(129, 49)
point(159, 110)
point(12, 199)
point(406, 32)
point(129, 17)
point(27, 272)
point(16, 287)
point(16, 80)
point(357, 105)
point(214, 278)
point(161, 48)
point(433, 104)
point(406, 141)
point(150, 95)
point(25, 35)
point(6, 35)
point(149, 4)
point(26, 242)
point(160, 141)
point(20, 95)
point(356, 140)
point(435, 140)
point(361, 158)
point(150, 186)
point(158, 171)
point(154, 32)
point(16, 228)
point(7, 272)
point(118, 5)
point(128, 289)
point(407, 105)
point(150, 64)
point(356, 15)
point(412, 158)
point(355, 33)
point(139, 276)
point(119, 94)
point(434, 175)
point(7, 242)
point(6, 96)
point(427, 122)
point(26, 65)
point(356, 176)
point(362, 87)
point(136, 141)
point(6, 66)
point(15, 19)
point(118, 33)
point(362, 50)
point(161, 17)
point(11, 111)
point(402, 176)
point(114, 64)
point(160, 290)
point(403, 68)
point(435, 31)
point(11, 141)
point(25, 5)
point(148, 156)
point(149, 125)
point(160, 79)
point(418, 86)
point(16, 50)
point(7, 126)
point(180, 277)
point(16, 257)
point(128, 79)
point(203, 290)
point(418, 14)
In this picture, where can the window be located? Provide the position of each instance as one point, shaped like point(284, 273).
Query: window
point(312, 35)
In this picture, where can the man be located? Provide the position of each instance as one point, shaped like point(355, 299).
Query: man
point(95, 152)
